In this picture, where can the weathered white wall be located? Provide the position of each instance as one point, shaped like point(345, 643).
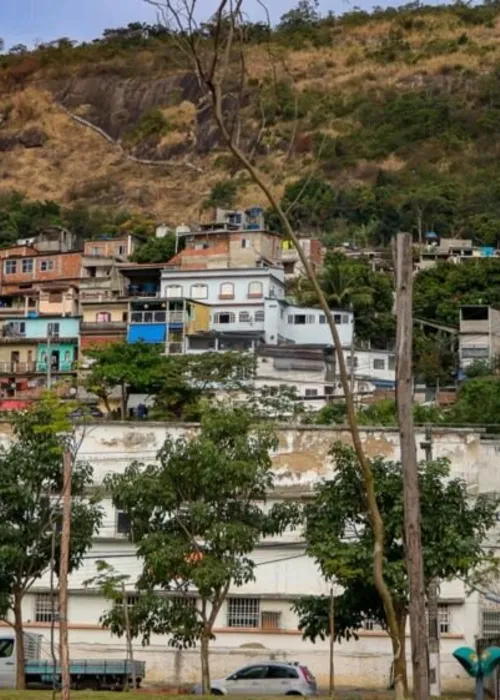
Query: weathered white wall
point(301, 460)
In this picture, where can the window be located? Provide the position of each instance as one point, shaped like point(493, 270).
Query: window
point(378, 363)
point(251, 673)
point(6, 648)
point(328, 390)
point(148, 317)
point(271, 620)
point(337, 318)
point(121, 250)
point(444, 619)
point(46, 265)
point(491, 623)
point(245, 317)
point(28, 265)
point(17, 328)
point(46, 608)
point(160, 316)
point(224, 317)
point(131, 598)
point(281, 672)
point(199, 291)
point(259, 316)
point(392, 362)
point(227, 290)
point(311, 392)
point(301, 319)
point(103, 317)
point(348, 362)
point(345, 318)
point(136, 317)
point(123, 525)
point(322, 319)
point(255, 289)
point(370, 624)
point(173, 291)
point(243, 612)
point(10, 267)
point(245, 243)
point(53, 330)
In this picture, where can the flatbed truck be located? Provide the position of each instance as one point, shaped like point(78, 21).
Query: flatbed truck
point(98, 674)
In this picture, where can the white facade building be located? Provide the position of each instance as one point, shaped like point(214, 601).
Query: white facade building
point(248, 308)
point(257, 620)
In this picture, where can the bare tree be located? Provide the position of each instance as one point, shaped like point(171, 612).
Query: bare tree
point(218, 60)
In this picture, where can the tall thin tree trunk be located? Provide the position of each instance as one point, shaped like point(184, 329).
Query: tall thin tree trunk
point(411, 487)
point(18, 628)
point(205, 663)
point(128, 635)
point(400, 661)
point(366, 470)
point(123, 401)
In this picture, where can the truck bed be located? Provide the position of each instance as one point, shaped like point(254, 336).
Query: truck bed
point(92, 673)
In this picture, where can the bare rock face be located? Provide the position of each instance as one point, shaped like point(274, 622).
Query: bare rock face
point(29, 138)
point(32, 138)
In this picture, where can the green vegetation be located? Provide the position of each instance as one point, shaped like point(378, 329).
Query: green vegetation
point(32, 468)
point(223, 194)
point(197, 515)
point(454, 527)
point(151, 123)
point(156, 250)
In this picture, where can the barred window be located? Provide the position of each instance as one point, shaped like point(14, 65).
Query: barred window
point(444, 619)
point(132, 599)
point(370, 625)
point(123, 525)
point(243, 612)
point(46, 607)
point(491, 623)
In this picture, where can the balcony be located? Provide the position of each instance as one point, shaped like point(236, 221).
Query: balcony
point(96, 326)
point(19, 368)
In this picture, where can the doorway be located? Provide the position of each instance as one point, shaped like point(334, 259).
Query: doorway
point(14, 360)
point(54, 360)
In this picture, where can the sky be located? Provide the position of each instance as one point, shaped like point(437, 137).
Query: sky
point(34, 21)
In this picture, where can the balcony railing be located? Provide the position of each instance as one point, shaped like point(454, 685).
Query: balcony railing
point(34, 367)
point(104, 325)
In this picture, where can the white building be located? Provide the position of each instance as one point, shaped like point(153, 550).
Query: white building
point(479, 334)
point(257, 620)
point(248, 308)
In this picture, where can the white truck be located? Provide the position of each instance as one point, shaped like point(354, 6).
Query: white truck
point(99, 674)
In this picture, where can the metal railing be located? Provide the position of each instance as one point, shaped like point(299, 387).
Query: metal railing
point(175, 348)
point(33, 367)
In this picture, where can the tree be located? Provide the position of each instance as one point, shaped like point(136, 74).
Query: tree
point(478, 402)
point(31, 507)
point(124, 365)
point(223, 194)
point(220, 68)
point(196, 516)
point(454, 536)
point(156, 250)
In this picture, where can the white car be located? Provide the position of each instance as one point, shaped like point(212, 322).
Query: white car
point(265, 678)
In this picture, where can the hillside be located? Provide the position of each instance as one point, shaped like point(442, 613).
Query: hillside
point(398, 113)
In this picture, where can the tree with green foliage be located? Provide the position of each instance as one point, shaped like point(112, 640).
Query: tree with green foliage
point(156, 250)
point(352, 284)
point(311, 205)
point(31, 507)
point(126, 366)
point(455, 527)
point(223, 195)
point(196, 516)
point(478, 402)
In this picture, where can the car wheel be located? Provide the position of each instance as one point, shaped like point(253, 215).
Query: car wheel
point(294, 692)
point(214, 691)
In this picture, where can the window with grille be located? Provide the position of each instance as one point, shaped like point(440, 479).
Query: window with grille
point(53, 330)
point(199, 291)
point(173, 291)
point(259, 316)
point(245, 317)
point(28, 265)
point(224, 317)
point(378, 363)
point(491, 623)
point(243, 612)
point(444, 619)
point(46, 607)
point(311, 392)
point(10, 267)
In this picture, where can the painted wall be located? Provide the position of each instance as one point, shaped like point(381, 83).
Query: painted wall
point(67, 356)
point(38, 327)
point(147, 332)
point(316, 330)
point(91, 312)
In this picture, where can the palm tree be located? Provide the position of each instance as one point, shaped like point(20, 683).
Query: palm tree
point(340, 284)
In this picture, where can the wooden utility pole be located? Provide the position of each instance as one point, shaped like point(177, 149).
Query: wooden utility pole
point(432, 603)
point(63, 579)
point(331, 624)
point(404, 398)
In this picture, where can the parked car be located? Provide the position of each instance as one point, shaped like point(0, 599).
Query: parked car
point(266, 678)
